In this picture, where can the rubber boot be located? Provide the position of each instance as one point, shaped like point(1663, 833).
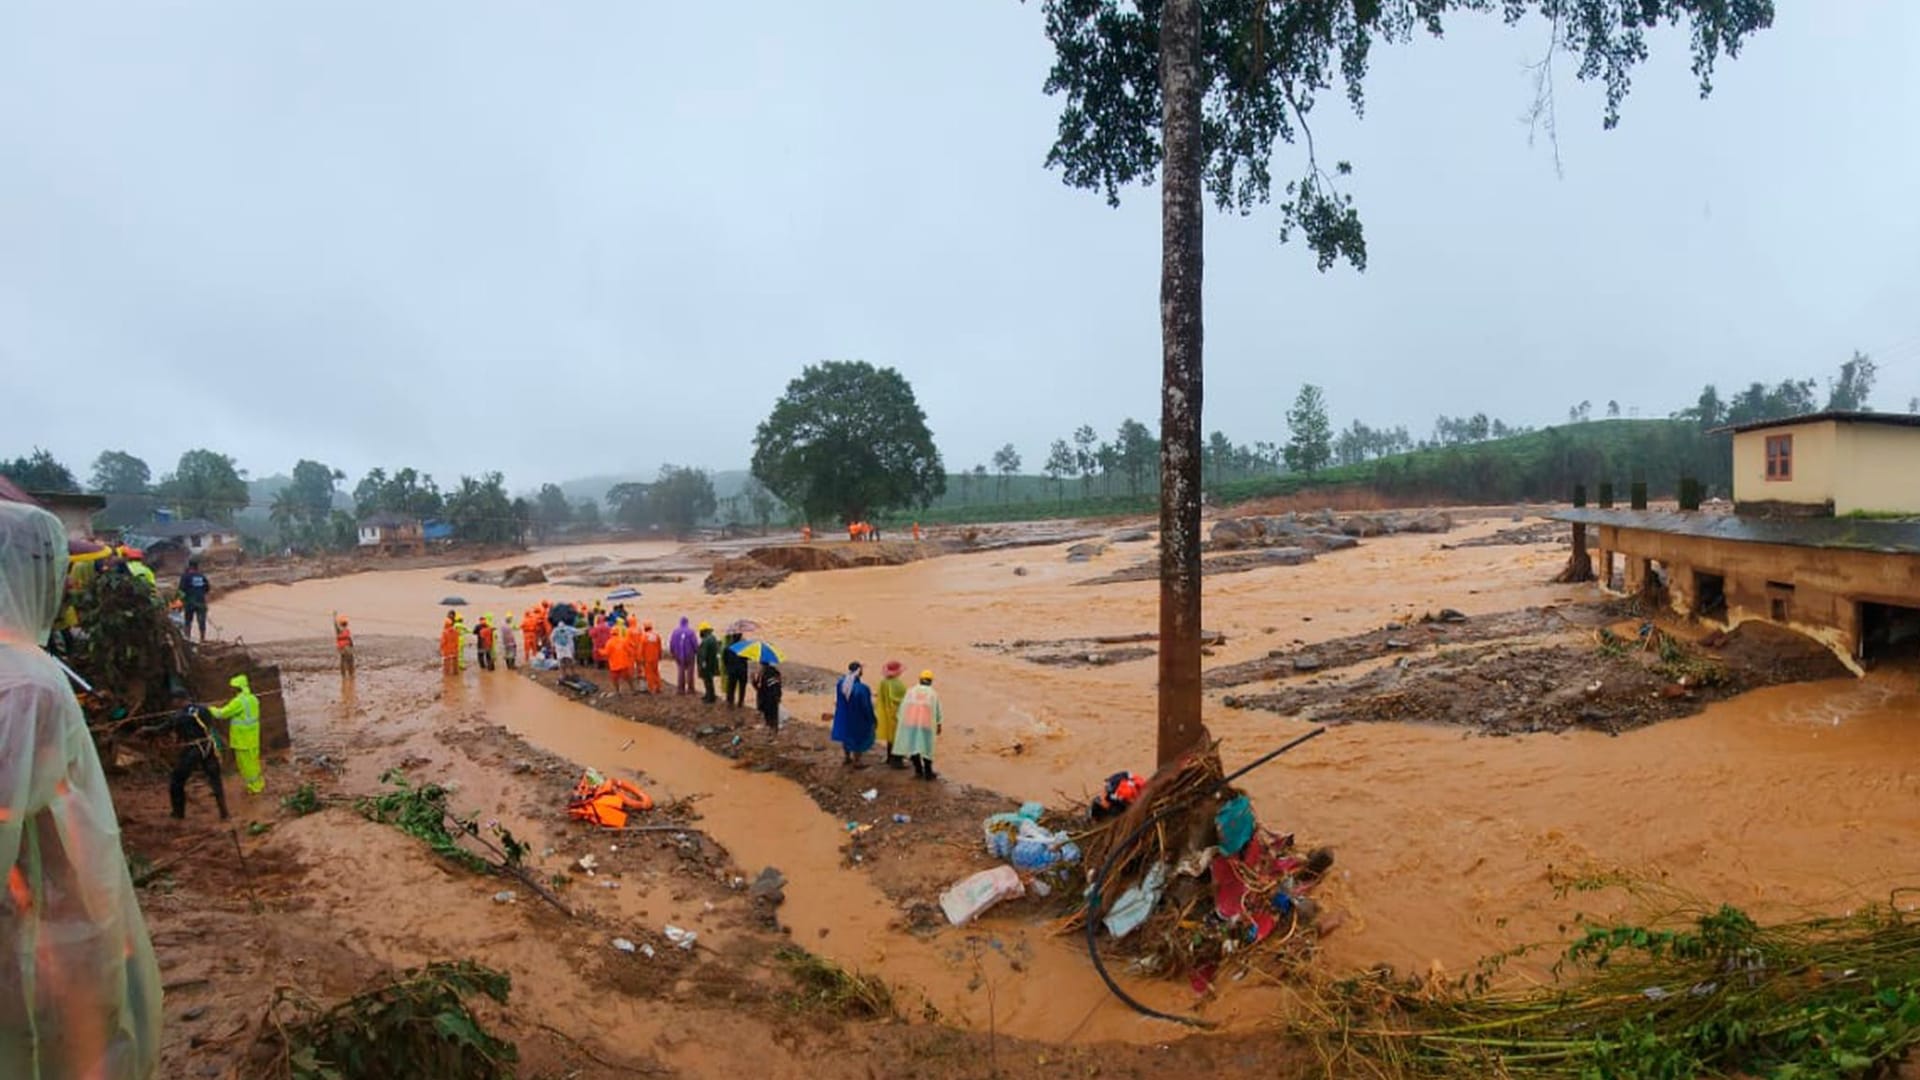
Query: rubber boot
point(895, 761)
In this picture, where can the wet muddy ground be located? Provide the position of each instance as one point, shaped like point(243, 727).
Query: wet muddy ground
point(1783, 798)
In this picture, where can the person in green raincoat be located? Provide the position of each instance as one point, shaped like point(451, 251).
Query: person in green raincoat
point(707, 659)
point(886, 705)
point(920, 722)
point(242, 712)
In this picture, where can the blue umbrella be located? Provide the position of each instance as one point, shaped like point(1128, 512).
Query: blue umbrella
point(763, 651)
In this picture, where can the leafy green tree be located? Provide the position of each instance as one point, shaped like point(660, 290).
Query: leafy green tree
point(127, 484)
point(313, 485)
point(205, 485)
point(480, 511)
point(551, 511)
point(1854, 385)
point(39, 472)
point(1136, 449)
point(847, 440)
point(406, 492)
point(1060, 463)
point(1084, 459)
point(285, 514)
point(1200, 91)
point(1006, 462)
point(630, 504)
point(116, 472)
point(683, 497)
point(1310, 436)
point(586, 514)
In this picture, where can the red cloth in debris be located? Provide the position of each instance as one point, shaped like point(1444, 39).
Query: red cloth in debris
point(1262, 862)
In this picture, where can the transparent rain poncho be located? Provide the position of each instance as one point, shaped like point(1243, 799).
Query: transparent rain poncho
point(79, 989)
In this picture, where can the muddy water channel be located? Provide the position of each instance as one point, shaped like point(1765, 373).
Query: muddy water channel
point(1791, 798)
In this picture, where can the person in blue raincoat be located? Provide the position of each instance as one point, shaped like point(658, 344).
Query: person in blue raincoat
point(853, 716)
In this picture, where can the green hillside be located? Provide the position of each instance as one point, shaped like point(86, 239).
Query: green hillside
point(1541, 465)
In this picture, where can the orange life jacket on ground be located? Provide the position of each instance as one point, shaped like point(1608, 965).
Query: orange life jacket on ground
point(607, 803)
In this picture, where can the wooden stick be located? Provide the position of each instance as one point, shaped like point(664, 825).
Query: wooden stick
point(460, 828)
point(245, 870)
point(157, 869)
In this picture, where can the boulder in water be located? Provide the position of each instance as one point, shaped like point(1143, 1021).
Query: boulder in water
point(523, 575)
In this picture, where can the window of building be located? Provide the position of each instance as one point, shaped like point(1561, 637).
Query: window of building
point(1779, 457)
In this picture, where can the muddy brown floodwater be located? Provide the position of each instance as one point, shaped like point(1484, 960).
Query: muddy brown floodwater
point(1784, 799)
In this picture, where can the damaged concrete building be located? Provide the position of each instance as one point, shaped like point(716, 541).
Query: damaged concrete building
point(1824, 537)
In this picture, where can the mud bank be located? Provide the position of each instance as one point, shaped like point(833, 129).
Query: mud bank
point(1445, 842)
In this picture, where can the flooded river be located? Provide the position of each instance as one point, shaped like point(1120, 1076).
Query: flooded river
point(1785, 799)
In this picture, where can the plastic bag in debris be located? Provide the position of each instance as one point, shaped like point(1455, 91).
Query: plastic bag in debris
point(1132, 907)
point(1022, 840)
point(964, 902)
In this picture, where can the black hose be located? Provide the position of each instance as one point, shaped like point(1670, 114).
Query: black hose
point(1100, 879)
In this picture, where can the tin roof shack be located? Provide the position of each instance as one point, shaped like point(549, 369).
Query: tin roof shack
point(1827, 463)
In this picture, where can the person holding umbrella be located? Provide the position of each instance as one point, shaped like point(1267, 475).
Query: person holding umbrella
point(767, 694)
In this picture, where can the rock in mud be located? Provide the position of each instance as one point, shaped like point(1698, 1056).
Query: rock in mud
point(1306, 662)
point(517, 576)
point(1362, 525)
point(1431, 521)
point(770, 886)
point(1130, 536)
point(1086, 551)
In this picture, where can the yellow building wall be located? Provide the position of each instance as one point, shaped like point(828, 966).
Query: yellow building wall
point(1815, 459)
point(1878, 469)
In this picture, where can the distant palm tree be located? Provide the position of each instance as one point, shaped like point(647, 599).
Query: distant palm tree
point(286, 513)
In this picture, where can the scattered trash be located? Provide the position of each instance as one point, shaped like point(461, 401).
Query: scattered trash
point(623, 594)
point(647, 950)
point(1121, 789)
point(1132, 907)
point(855, 828)
point(623, 944)
point(965, 901)
point(1235, 822)
point(607, 884)
point(504, 896)
point(587, 863)
point(870, 794)
point(1029, 846)
point(902, 819)
point(682, 938)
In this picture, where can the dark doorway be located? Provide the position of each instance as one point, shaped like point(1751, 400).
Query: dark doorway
point(1709, 595)
point(1889, 632)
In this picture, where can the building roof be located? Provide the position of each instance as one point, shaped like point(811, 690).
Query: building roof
point(388, 520)
point(167, 530)
point(1841, 415)
point(1852, 534)
point(74, 500)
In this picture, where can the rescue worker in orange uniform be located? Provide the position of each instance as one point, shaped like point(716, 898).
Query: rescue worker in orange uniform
point(343, 643)
point(449, 646)
point(530, 632)
point(650, 649)
point(622, 657)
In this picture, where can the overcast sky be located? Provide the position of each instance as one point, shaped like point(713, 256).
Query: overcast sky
point(558, 239)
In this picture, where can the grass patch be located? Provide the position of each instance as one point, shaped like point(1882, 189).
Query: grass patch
point(824, 986)
point(415, 1023)
point(1700, 991)
point(304, 800)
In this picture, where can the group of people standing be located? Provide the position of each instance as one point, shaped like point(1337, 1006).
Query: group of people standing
point(905, 721)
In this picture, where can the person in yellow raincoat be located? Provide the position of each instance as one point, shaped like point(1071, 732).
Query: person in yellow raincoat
point(886, 706)
point(242, 712)
point(79, 987)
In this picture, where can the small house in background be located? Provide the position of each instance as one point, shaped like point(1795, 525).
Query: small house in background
point(74, 509)
point(1827, 464)
point(169, 544)
point(393, 534)
point(1824, 538)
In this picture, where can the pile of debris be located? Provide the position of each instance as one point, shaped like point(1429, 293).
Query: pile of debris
point(1177, 873)
point(1321, 531)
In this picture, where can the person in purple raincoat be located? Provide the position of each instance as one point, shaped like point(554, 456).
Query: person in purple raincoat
point(682, 645)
